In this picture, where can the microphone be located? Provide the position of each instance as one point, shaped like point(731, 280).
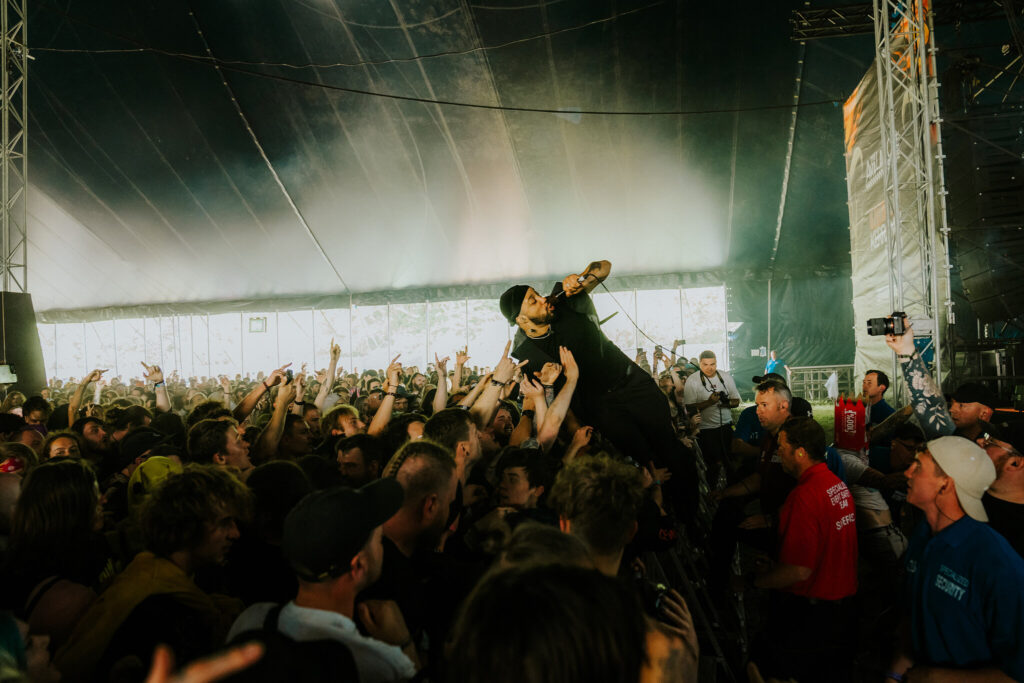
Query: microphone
point(561, 294)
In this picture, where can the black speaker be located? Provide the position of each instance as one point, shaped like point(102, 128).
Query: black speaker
point(992, 276)
point(19, 342)
point(984, 172)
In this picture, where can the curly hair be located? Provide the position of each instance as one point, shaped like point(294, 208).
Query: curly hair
point(176, 516)
point(601, 497)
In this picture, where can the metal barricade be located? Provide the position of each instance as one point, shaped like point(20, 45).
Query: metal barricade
point(809, 381)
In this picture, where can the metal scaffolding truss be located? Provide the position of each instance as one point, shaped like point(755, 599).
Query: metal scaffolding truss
point(915, 196)
point(14, 162)
point(854, 20)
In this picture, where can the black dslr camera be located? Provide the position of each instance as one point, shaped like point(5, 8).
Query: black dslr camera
point(723, 396)
point(895, 324)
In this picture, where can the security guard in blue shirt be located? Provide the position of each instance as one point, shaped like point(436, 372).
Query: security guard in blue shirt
point(965, 583)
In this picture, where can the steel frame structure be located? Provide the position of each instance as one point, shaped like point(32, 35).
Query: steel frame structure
point(13, 147)
point(917, 240)
point(852, 20)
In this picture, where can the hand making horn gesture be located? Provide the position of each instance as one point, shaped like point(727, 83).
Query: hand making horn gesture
point(506, 367)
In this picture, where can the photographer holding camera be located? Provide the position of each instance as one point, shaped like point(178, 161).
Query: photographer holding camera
point(713, 394)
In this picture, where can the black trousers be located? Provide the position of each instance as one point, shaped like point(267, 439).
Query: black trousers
point(635, 417)
point(809, 640)
point(715, 447)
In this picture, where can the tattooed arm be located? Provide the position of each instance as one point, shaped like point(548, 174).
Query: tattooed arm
point(925, 395)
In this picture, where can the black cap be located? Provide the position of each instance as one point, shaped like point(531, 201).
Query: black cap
point(757, 379)
point(328, 528)
point(138, 441)
point(800, 407)
point(975, 392)
point(512, 301)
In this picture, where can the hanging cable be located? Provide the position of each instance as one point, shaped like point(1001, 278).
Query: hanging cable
point(141, 48)
point(266, 159)
point(209, 59)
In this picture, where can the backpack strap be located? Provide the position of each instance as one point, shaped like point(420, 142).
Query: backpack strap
point(37, 594)
point(270, 621)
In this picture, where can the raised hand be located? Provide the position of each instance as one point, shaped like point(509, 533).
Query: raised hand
point(462, 357)
point(286, 394)
point(571, 285)
point(277, 376)
point(441, 365)
point(572, 371)
point(661, 474)
point(153, 373)
point(335, 351)
point(206, 670)
point(548, 374)
point(903, 344)
point(506, 366)
point(393, 373)
point(225, 384)
point(97, 375)
point(531, 389)
point(581, 437)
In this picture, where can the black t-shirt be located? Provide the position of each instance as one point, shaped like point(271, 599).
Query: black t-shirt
point(1007, 518)
point(603, 366)
point(775, 483)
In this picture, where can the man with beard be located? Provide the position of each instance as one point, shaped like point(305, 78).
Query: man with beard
point(97, 439)
point(614, 395)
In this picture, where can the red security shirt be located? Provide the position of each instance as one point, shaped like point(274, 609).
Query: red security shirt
point(817, 530)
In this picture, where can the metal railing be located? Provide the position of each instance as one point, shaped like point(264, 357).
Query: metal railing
point(809, 381)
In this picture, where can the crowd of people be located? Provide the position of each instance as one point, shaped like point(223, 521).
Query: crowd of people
point(453, 525)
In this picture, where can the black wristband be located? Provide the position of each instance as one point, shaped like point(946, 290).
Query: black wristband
point(392, 393)
point(496, 383)
point(530, 414)
point(299, 403)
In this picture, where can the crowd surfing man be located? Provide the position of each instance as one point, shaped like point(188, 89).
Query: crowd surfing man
point(614, 395)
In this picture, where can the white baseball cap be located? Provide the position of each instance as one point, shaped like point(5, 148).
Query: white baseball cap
point(969, 466)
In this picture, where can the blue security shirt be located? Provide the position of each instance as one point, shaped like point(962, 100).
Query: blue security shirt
point(772, 366)
point(966, 595)
point(748, 427)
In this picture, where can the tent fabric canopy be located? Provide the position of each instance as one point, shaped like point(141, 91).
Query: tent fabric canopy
point(158, 178)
